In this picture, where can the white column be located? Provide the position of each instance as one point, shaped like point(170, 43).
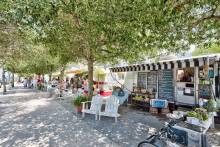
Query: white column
point(168, 66)
point(183, 64)
point(156, 66)
point(151, 67)
point(191, 63)
point(162, 66)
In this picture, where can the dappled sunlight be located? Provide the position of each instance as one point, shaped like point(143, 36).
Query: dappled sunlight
point(152, 130)
point(32, 105)
point(217, 133)
point(43, 122)
point(46, 122)
point(14, 110)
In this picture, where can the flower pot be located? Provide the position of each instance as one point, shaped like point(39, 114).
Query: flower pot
point(78, 109)
point(193, 120)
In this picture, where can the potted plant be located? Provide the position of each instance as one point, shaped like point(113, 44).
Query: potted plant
point(198, 117)
point(77, 102)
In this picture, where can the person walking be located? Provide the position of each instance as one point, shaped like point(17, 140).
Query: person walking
point(85, 86)
point(25, 82)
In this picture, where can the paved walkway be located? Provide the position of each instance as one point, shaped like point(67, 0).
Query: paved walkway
point(30, 118)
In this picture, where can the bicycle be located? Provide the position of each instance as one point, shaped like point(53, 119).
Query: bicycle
point(168, 136)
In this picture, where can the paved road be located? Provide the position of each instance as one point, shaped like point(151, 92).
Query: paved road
point(29, 118)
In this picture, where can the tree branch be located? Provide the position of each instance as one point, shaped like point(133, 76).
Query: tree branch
point(211, 16)
point(215, 17)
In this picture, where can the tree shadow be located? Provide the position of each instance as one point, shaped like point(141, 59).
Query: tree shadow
point(42, 122)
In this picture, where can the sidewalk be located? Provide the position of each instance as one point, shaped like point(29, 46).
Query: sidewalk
point(133, 125)
point(30, 118)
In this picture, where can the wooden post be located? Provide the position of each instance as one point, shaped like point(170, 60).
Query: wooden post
point(174, 84)
point(196, 82)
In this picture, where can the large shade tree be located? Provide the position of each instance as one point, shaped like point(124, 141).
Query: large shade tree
point(110, 31)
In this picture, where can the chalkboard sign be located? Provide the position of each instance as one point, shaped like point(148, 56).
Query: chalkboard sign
point(166, 87)
point(152, 80)
point(204, 91)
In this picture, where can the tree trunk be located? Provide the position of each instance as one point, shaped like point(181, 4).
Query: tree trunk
point(62, 72)
point(43, 77)
point(4, 81)
point(50, 76)
point(90, 77)
point(13, 80)
point(9, 78)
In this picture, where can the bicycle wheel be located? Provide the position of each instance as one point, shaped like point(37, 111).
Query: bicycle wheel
point(145, 144)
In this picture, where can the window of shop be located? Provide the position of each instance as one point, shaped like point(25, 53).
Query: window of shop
point(152, 81)
point(141, 80)
point(185, 86)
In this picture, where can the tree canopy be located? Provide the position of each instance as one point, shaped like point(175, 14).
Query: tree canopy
point(214, 49)
point(108, 31)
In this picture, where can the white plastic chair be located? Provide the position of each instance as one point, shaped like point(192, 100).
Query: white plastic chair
point(95, 107)
point(111, 108)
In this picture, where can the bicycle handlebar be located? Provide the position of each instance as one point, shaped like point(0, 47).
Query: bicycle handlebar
point(176, 121)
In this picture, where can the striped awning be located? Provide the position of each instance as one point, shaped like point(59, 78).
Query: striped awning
point(182, 63)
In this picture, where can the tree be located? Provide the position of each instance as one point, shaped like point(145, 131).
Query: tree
point(214, 49)
point(110, 31)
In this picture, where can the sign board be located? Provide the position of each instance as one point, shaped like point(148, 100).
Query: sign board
point(204, 91)
point(166, 87)
point(157, 103)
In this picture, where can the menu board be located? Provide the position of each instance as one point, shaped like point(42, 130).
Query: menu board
point(166, 87)
point(152, 80)
point(204, 91)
